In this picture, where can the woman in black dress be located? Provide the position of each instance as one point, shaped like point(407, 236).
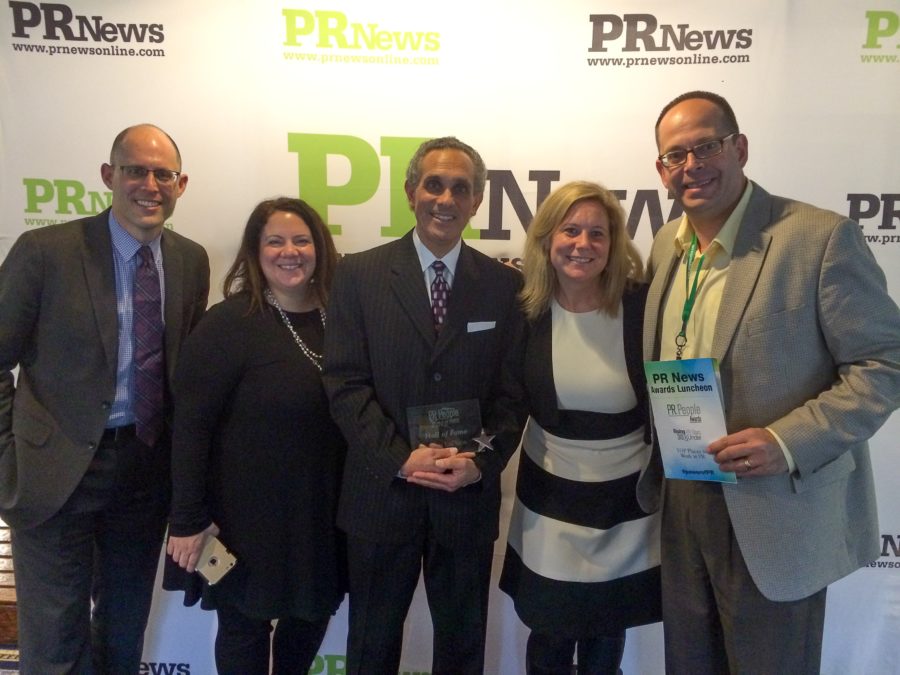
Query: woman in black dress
point(256, 457)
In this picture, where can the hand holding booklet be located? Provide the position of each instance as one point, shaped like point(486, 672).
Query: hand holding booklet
point(686, 401)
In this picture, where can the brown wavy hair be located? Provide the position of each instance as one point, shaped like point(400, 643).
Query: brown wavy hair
point(245, 274)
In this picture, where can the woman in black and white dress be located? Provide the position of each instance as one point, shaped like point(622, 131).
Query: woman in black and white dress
point(582, 560)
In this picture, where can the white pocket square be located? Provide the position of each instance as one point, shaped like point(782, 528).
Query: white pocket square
point(475, 326)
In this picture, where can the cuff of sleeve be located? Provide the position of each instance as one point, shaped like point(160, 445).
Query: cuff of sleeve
point(188, 528)
point(792, 465)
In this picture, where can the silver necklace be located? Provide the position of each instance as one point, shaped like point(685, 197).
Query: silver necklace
point(315, 359)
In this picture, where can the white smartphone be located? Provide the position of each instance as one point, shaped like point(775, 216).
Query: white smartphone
point(215, 561)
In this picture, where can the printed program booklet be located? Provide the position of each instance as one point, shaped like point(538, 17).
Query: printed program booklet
point(686, 400)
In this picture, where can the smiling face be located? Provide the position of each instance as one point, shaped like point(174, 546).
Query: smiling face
point(444, 200)
point(287, 257)
point(708, 189)
point(141, 206)
point(579, 247)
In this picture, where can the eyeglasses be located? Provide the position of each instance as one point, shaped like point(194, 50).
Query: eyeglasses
point(701, 151)
point(162, 176)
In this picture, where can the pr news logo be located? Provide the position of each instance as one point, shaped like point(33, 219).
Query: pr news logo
point(56, 21)
point(331, 29)
point(882, 37)
point(644, 32)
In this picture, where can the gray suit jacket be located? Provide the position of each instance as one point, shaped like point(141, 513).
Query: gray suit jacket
point(58, 323)
point(808, 342)
point(382, 356)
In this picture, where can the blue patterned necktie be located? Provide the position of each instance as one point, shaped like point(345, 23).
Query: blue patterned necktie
point(440, 295)
point(148, 349)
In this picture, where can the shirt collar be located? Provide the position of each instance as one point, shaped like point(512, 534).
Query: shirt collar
point(726, 236)
point(426, 257)
point(125, 243)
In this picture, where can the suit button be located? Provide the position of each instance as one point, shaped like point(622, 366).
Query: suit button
point(437, 377)
point(106, 405)
point(92, 446)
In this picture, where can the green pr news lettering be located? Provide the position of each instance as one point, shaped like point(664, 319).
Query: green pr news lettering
point(313, 151)
point(655, 37)
point(881, 25)
point(329, 664)
point(365, 179)
point(68, 196)
point(333, 29)
point(59, 22)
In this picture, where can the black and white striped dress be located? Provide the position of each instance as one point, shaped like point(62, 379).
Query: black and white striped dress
point(582, 557)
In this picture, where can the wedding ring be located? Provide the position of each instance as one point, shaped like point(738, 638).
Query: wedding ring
point(748, 464)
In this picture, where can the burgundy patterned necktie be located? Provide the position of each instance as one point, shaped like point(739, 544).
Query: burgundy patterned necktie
point(148, 349)
point(440, 294)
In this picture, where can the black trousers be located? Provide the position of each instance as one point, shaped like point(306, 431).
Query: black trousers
point(552, 655)
point(383, 578)
point(243, 644)
point(103, 547)
point(715, 620)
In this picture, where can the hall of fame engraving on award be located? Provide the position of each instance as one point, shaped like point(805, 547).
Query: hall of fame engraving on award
point(456, 424)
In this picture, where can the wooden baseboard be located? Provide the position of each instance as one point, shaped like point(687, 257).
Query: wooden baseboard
point(9, 630)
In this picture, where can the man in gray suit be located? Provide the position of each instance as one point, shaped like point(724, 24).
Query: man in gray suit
point(394, 341)
point(791, 302)
point(93, 313)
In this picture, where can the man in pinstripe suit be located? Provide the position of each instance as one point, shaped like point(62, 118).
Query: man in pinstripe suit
point(405, 508)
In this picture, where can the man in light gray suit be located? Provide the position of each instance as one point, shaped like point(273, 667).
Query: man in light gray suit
point(93, 314)
point(791, 302)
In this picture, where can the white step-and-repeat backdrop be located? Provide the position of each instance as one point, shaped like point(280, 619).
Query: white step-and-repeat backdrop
point(327, 100)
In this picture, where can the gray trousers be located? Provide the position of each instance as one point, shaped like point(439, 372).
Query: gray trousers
point(715, 620)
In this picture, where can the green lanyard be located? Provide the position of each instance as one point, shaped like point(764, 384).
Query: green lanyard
point(690, 293)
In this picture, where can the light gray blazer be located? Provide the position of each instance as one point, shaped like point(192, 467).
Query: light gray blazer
point(808, 342)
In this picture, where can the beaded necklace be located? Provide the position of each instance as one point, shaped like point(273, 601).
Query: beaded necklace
point(315, 359)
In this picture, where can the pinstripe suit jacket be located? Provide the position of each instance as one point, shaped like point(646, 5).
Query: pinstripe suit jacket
point(808, 342)
point(382, 356)
point(58, 323)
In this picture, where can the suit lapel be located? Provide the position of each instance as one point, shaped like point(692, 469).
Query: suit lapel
point(173, 272)
point(100, 275)
point(408, 285)
point(662, 278)
point(750, 247)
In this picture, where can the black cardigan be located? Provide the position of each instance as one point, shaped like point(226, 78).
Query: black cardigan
point(539, 384)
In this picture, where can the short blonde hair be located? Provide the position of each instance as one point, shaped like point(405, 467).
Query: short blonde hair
point(624, 266)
